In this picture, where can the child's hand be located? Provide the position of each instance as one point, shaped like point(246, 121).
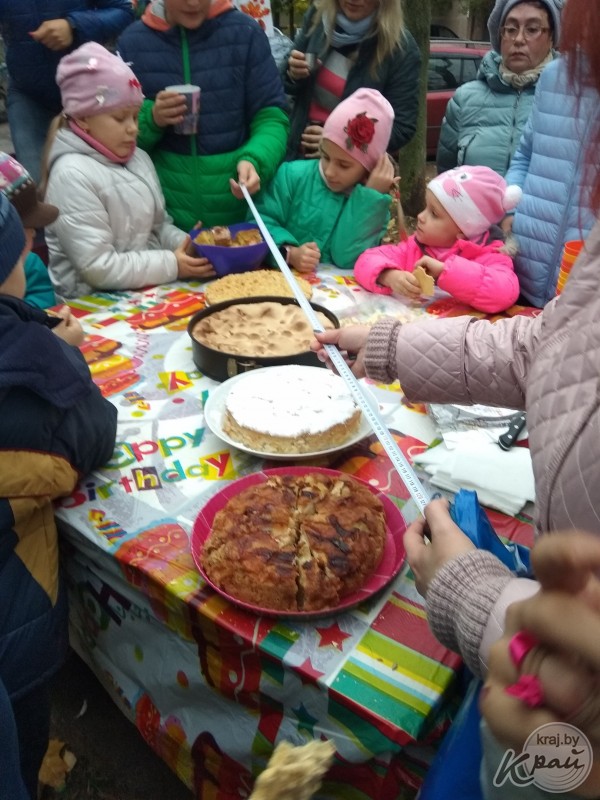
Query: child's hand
point(247, 175)
point(431, 265)
point(55, 34)
point(169, 108)
point(310, 140)
point(69, 330)
point(401, 282)
point(304, 258)
point(189, 266)
point(382, 175)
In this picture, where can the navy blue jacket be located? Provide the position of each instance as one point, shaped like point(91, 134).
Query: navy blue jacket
point(31, 65)
point(54, 427)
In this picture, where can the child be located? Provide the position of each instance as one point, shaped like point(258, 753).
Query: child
point(329, 210)
point(113, 231)
point(54, 426)
point(19, 187)
point(453, 243)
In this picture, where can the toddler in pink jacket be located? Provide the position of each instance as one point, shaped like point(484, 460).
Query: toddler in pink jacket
point(457, 242)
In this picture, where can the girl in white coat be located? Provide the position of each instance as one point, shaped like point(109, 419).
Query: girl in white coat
point(113, 232)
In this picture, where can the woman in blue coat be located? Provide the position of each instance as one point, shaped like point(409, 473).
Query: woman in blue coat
point(37, 34)
point(485, 118)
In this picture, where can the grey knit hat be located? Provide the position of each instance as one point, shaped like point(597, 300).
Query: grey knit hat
point(500, 12)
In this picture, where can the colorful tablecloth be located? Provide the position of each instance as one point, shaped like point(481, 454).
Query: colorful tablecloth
point(211, 687)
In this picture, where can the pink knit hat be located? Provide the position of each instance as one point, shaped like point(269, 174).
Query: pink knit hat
point(93, 81)
point(361, 124)
point(475, 197)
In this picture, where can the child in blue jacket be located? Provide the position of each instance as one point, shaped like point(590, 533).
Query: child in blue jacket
point(54, 426)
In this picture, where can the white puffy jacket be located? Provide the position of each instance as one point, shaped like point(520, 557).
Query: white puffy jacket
point(113, 231)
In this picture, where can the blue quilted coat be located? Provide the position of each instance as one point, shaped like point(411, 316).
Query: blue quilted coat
point(549, 165)
point(31, 65)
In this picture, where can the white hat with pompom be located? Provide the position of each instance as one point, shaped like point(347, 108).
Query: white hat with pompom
point(475, 197)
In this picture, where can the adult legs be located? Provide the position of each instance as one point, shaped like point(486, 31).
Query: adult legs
point(29, 122)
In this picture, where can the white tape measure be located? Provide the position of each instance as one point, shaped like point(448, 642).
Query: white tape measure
point(401, 465)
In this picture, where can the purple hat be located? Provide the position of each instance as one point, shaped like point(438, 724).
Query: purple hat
point(93, 81)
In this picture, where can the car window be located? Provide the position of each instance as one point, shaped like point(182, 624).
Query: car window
point(443, 73)
point(446, 73)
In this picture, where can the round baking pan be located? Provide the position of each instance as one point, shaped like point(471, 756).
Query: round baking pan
point(220, 366)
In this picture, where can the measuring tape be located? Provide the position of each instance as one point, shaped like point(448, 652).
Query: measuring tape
point(380, 429)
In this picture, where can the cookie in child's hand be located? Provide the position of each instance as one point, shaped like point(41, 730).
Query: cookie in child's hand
point(425, 280)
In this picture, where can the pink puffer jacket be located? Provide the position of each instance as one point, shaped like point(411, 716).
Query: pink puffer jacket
point(479, 274)
point(549, 365)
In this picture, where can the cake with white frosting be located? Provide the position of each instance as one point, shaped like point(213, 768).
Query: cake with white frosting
point(291, 409)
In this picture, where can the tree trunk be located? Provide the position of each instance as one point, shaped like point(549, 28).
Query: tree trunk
point(412, 157)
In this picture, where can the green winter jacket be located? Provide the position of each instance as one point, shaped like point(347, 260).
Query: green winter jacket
point(297, 207)
point(484, 120)
point(242, 108)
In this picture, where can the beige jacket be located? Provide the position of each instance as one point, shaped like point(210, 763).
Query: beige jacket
point(550, 366)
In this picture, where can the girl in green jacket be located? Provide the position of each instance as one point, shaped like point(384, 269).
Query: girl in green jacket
point(332, 209)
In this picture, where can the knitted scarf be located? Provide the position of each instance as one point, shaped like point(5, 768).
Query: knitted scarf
point(346, 31)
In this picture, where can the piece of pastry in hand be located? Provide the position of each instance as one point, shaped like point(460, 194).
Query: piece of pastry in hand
point(222, 235)
point(294, 773)
point(426, 282)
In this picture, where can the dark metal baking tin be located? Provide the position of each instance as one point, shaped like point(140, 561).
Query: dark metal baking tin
point(219, 365)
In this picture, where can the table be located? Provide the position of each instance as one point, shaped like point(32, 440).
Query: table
point(211, 687)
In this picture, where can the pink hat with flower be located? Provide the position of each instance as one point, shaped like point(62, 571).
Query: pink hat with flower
point(93, 81)
point(475, 197)
point(362, 125)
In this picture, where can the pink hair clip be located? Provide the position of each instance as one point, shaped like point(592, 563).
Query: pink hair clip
point(520, 645)
point(528, 689)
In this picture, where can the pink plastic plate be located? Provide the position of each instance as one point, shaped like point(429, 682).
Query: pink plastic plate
point(391, 561)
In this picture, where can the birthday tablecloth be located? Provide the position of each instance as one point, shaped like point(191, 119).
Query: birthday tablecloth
point(211, 687)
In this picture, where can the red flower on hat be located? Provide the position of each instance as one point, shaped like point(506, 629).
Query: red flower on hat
point(361, 131)
point(134, 83)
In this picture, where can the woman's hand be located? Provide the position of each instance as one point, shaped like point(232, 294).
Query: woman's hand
point(305, 258)
point(564, 618)
point(446, 542)
point(247, 175)
point(297, 67)
point(311, 139)
point(69, 330)
point(190, 266)
point(351, 341)
point(401, 282)
point(382, 175)
point(169, 109)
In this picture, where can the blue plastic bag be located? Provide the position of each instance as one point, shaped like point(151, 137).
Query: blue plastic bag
point(472, 520)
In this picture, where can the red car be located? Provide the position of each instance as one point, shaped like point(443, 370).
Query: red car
point(450, 65)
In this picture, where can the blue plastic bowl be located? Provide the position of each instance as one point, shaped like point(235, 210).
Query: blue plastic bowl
point(227, 260)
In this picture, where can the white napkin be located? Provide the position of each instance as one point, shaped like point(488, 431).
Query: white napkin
point(502, 479)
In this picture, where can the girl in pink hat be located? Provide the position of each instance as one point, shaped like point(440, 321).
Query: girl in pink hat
point(457, 243)
point(328, 210)
point(113, 231)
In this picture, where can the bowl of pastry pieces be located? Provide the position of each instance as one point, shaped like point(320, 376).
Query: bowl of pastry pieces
point(231, 249)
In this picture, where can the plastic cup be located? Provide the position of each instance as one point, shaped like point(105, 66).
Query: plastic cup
point(191, 93)
point(571, 251)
